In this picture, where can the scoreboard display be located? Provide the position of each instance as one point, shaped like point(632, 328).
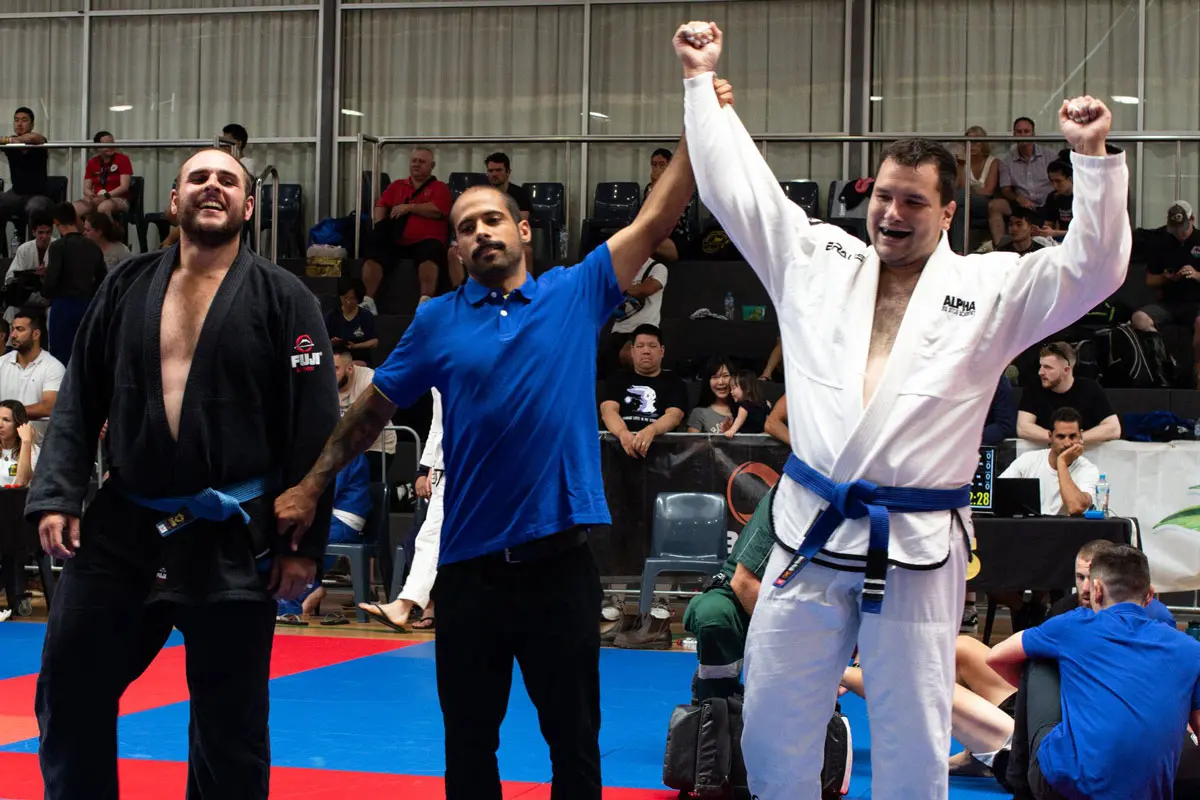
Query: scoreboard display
point(985, 476)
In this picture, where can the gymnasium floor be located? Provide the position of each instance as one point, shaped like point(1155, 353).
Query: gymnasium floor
point(354, 714)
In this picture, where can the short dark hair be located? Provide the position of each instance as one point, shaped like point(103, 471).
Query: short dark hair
point(237, 133)
point(26, 110)
point(1062, 168)
point(662, 151)
point(1066, 414)
point(1088, 551)
point(103, 223)
point(341, 349)
point(914, 152)
point(100, 135)
point(1124, 571)
point(1060, 349)
point(64, 214)
point(348, 283)
point(40, 219)
point(37, 321)
point(1032, 124)
point(4, 327)
point(1021, 212)
point(646, 329)
point(498, 158)
point(751, 391)
point(510, 202)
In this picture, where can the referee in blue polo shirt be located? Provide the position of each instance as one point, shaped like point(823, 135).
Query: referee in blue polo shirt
point(515, 360)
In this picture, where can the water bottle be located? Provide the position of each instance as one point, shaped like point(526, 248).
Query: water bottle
point(729, 307)
point(1102, 491)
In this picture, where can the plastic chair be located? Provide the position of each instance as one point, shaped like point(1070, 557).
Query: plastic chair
point(804, 193)
point(360, 552)
point(291, 218)
point(851, 220)
point(134, 215)
point(547, 213)
point(689, 535)
point(459, 182)
point(615, 205)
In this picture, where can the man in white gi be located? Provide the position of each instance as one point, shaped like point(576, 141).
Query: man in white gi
point(891, 355)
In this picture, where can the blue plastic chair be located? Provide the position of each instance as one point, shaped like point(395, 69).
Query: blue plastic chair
point(359, 553)
point(689, 535)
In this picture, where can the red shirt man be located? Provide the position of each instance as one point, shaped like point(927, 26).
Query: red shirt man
point(106, 180)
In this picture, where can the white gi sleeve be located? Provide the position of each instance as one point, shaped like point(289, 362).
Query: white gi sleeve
point(432, 455)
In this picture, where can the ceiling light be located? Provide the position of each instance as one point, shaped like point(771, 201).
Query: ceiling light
point(875, 98)
point(1125, 99)
point(120, 108)
point(597, 115)
point(350, 112)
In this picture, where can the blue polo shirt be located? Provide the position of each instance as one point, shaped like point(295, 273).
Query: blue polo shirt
point(1128, 685)
point(518, 381)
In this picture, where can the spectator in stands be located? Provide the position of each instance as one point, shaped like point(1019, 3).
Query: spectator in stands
point(1172, 258)
point(978, 173)
point(773, 361)
point(1106, 695)
point(100, 228)
point(499, 172)
point(410, 223)
point(27, 372)
point(1059, 387)
point(777, 422)
point(350, 324)
point(23, 283)
point(643, 402)
point(642, 306)
point(238, 134)
point(106, 180)
point(750, 407)
point(1067, 479)
point(353, 380)
point(670, 249)
point(1056, 211)
point(4, 329)
point(74, 269)
point(1024, 180)
point(27, 168)
point(18, 448)
point(1001, 422)
point(1022, 225)
point(714, 414)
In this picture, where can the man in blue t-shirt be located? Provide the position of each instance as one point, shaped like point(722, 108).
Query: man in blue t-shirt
point(1108, 694)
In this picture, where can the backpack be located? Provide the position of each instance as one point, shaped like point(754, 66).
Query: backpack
point(704, 752)
point(1133, 359)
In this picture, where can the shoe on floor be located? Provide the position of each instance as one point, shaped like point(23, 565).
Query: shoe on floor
point(653, 632)
point(970, 620)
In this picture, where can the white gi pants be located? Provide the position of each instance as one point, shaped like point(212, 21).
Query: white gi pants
point(801, 638)
point(423, 572)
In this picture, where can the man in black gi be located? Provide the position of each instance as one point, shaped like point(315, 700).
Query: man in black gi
point(183, 533)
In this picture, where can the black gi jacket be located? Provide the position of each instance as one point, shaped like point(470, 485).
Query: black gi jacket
point(261, 400)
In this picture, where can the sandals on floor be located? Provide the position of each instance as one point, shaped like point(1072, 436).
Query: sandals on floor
point(379, 616)
point(291, 619)
point(424, 624)
point(336, 618)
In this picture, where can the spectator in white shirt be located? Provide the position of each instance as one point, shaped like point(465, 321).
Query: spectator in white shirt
point(27, 372)
point(18, 451)
point(27, 268)
point(1067, 479)
point(354, 379)
point(642, 306)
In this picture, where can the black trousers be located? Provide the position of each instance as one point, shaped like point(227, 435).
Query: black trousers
point(556, 642)
point(102, 635)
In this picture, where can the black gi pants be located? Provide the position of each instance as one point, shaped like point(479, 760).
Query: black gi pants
point(556, 642)
point(102, 635)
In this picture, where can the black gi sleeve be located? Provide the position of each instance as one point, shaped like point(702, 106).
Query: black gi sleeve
point(311, 405)
point(54, 268)
point(69, 450)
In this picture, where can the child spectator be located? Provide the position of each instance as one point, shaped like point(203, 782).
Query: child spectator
point(751, 409)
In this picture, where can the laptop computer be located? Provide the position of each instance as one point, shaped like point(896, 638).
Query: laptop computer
point(1017, 497)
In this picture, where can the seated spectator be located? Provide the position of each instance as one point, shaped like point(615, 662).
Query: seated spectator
point(100, 228)
point(499, 173)
point(1060, 388)
point(1001, 421)
point(350, 323)
point(643, 402)
point(353, 380)
point(751, 408)
point(714, 414)
point(1056, 212)
point(1067, 479)
point(979, 173)
point(777, 422)
point(642, 306)
point(4, 330)
point(1024, 180)
point(351, 507)
point(1022, 225)
point(106, 180)
point(1172, 257)
point(18, 450)
point(23, 283)
point(671, 247)
point(236, 133)
point(1106, 695)
point(74, 270)
point(27, 168)
point(27, 372)
point(410, 223)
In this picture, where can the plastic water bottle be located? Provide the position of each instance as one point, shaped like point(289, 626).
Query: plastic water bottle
point(1102, 491)
point(729, 306)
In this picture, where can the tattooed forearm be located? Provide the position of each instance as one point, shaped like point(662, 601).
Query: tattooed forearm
point(355, 432)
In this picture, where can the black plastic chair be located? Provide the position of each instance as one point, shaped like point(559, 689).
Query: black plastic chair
point(615, 205)
point(291, 218)
point(851, 220)
point(548, 213)
point(459, 182)
point(134, 214)
point(806, 194)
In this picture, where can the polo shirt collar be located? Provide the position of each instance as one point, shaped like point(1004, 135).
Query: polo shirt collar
point(476, 292)
point(1129, 608)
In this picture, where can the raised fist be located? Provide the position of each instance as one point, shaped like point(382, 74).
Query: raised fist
point(698, 45)
point(1085, 123)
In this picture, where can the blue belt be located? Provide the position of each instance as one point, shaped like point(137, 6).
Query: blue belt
point(856, 500)
point(216, 505)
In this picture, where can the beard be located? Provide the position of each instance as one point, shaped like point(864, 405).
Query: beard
point(208, 236)
point(492, 273)
point(343, 382)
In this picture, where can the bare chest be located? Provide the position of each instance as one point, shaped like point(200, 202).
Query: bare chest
point(185, 308)
point(890, 305)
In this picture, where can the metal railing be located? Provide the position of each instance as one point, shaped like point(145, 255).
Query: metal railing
point(362, 140)
point(268, 172)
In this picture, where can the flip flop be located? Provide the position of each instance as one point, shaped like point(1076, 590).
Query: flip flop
point(336, 618)
point(424, 624)
point(291, 619)
point(379, 616)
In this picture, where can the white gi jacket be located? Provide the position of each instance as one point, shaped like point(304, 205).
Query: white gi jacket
point(431, 456)
point(968, 317)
